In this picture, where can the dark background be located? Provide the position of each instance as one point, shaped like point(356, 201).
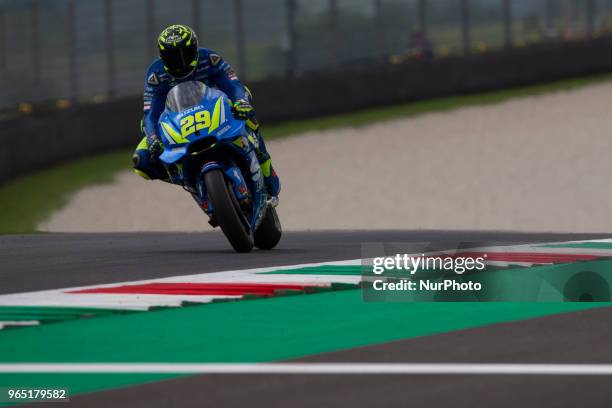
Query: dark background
point(72, 83)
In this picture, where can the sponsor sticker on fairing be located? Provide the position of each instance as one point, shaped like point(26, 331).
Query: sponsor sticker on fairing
point(152, 79)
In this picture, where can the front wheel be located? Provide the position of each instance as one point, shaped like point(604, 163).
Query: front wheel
point(227, 214)
point(269, 232)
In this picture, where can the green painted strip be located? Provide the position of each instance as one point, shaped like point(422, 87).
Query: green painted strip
point(586, 245)
point(319, 270)
point(249, 331)
point(53, 314)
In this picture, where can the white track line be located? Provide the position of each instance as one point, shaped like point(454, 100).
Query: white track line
point(315, 368)
point(4, 323)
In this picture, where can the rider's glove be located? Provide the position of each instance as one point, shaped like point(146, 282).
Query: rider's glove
point(155, 146)
point(242, 109)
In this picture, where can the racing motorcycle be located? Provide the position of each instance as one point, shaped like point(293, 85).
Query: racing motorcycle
point(212, 155)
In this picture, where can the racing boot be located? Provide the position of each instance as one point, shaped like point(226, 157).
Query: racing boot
point(146, 163)
point(271, 179)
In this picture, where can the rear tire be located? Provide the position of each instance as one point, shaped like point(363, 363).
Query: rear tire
point(227, 215)
point(269, 232)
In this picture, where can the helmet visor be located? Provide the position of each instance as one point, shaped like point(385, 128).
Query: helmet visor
point(178, 60)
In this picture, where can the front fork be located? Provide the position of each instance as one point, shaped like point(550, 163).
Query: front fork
point(254, 198)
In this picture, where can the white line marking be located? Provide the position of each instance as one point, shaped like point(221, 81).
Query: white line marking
point(314, 368)
point(7, 323)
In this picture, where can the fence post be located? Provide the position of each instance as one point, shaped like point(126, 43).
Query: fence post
point(73, 72)
point(333, 32)
point(240, 48)
point(35, 48)
point(465, 27)
point(380, 33)
point(590, 14)
point(149, 27)
point(3, 40)
point(422, 16)
point(110, 51)
point(550, 18)
point(507, 17)
point(292, 40)
point(195, 10)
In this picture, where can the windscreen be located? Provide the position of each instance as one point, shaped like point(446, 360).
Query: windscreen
point(185, 96)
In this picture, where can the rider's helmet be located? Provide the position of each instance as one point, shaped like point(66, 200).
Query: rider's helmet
point(178, 49)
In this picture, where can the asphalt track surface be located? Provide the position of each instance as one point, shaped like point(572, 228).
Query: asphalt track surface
point(59, 260)
point(47, 261)
point(580, 337)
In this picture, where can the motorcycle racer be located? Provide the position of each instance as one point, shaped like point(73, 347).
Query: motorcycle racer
point(181, 60)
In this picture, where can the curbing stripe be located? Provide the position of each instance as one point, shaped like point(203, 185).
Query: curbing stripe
point(146, 294)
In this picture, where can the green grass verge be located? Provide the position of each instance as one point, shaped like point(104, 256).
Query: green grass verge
point(28, 200)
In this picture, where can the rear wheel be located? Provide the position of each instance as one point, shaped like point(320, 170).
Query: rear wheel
point(269, 232)
point(228, 214)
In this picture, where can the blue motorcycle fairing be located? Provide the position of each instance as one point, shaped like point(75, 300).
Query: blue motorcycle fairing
point(171, 156)
point(191, 118)
point(217, 120)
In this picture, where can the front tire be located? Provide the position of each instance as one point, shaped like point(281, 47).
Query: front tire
point(269, 232)
point(229, 218)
